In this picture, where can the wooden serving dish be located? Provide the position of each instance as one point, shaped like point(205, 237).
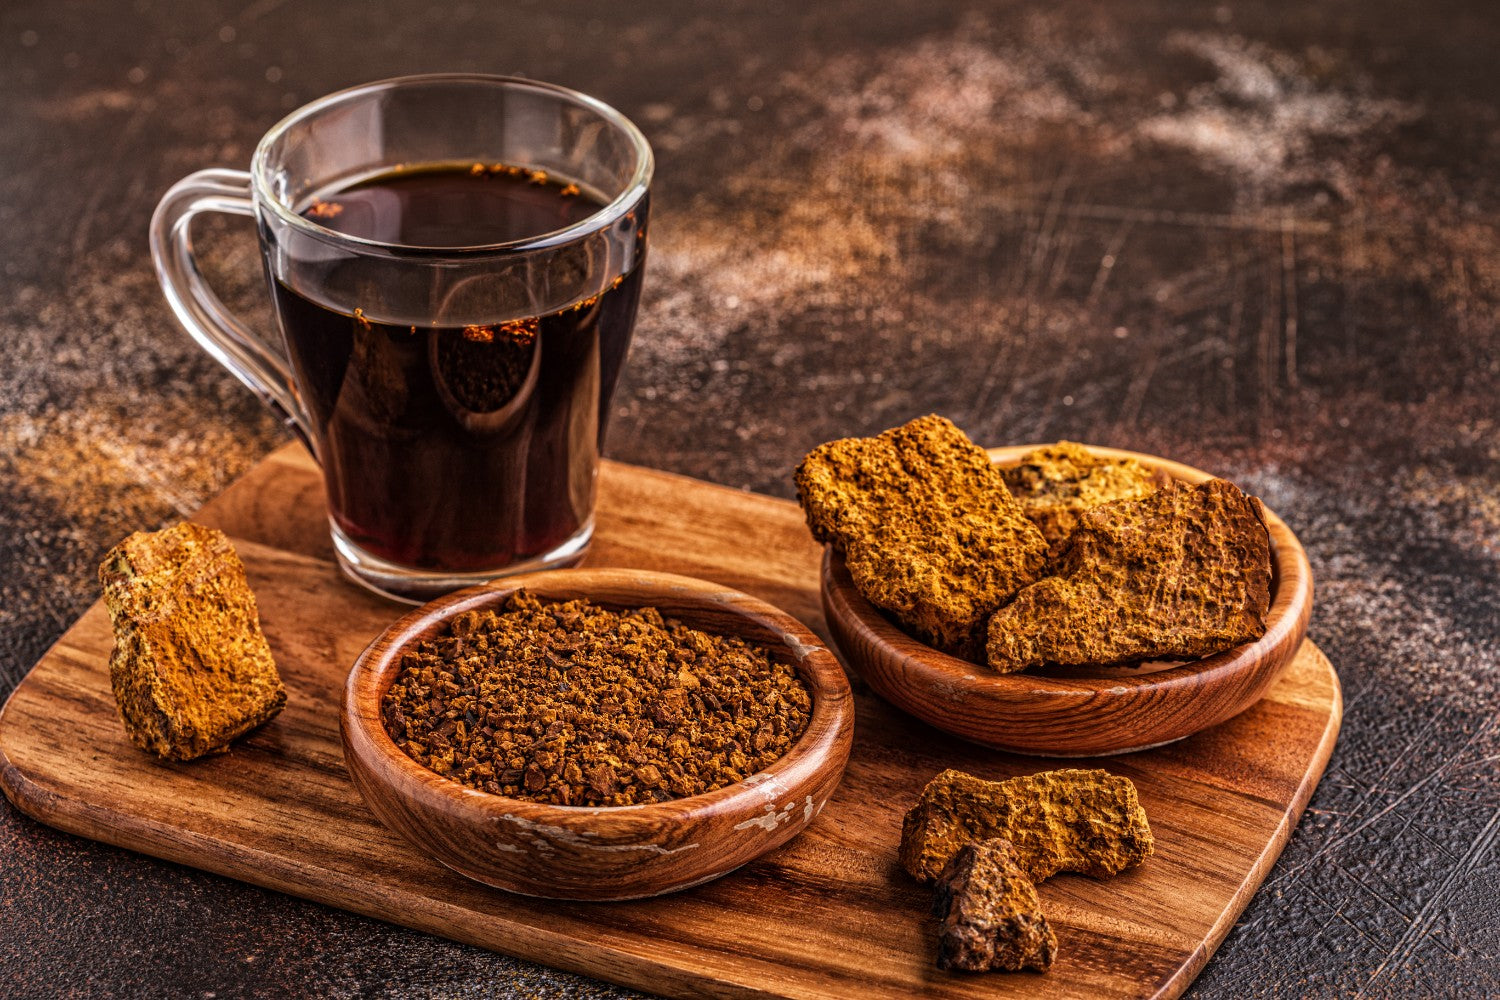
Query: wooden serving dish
point(622, 852)
point(1108, 711)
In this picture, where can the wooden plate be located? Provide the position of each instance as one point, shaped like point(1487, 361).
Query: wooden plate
point(1108, 711)
point(621, 852)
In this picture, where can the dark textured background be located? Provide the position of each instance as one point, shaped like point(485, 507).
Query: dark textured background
point(1260, 241)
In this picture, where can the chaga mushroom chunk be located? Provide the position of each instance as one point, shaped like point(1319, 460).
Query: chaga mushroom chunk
point(989, 916)
point(1089, 822)
point(928, 529)
point(191, 669)
point(1181, 574)
point(1055, 484)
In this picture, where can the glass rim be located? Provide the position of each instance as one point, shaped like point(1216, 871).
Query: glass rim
point(606, 216)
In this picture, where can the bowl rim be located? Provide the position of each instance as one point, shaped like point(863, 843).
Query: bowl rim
point(1291, 604)
point(828, 735)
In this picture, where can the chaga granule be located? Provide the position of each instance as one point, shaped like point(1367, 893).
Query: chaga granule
point(573, 704)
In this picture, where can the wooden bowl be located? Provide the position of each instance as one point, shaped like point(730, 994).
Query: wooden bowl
point(621, 852)
point(1073, 713)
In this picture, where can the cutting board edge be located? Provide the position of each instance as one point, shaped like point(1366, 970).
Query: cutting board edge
point(1186, 973)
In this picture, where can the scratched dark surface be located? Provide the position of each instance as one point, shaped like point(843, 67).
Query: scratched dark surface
point(1262, 241)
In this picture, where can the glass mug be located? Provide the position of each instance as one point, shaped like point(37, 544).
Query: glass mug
point(455, 396)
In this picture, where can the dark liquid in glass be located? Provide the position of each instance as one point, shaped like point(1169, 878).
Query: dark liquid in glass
point(468, 448)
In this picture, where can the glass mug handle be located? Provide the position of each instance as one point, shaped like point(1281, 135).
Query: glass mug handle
point(214, 327)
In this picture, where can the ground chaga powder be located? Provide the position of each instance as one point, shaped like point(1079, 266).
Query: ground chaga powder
point(577, 705)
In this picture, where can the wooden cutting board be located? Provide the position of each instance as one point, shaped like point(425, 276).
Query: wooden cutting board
point(831, 914)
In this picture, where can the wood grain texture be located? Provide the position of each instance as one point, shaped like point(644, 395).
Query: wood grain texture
point(829, 914)
point(1074, 712)
point(629, 852)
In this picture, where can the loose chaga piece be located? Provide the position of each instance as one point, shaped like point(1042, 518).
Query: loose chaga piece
point(1089, 822)
point(928, 529)
point(989, 916)
point(191, 669)
point(1181, 574)
point(1057, 483)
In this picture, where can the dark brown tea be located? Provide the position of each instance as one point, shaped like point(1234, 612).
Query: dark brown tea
point(460, 448)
